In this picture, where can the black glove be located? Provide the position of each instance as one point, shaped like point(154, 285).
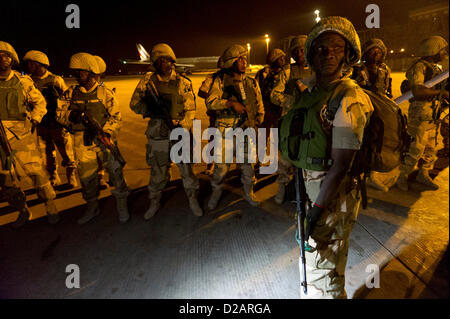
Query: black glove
point(311, 219)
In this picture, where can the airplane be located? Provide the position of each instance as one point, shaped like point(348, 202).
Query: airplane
point(183, 64)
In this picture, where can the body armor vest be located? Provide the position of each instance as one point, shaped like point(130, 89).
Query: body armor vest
point(169, 94)
point(92, 103)
point(51, 94)
point(12, 100)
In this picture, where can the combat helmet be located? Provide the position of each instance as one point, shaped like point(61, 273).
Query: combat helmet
point(101, 64)
point(274, 55)
point(84, 61)
point(8, 49)
point(231, 54)
point(374, 43)
point(339, 25)
point(432, 45)
point(37, 56)
point(162, 50)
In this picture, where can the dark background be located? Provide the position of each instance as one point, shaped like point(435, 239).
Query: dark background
point(111, 29)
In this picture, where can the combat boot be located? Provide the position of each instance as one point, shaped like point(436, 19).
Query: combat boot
point(279, 197)
point(155, 205)
point(377, 184)
point(22, 219)
point(52, 212)
point(402, 182)
point(249, 196)
point(215, 197)
point(424, 178)
point(122, 207)
point(54, 178)
point(92, 210)
point(195, 207)
point(71, 177)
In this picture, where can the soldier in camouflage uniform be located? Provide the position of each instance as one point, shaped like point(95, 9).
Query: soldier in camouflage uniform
point(374, 75)
point(223, 100)
point(336, 111)
point(50, 132)
point(101, 104)
point(102, 160)
point(287, 89)
point(22, 107)
point(422, 113)
point(173, 104)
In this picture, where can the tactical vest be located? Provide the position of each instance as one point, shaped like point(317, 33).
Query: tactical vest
point(307, 143)
point(92, 103)
point(12, 100)
point(51, 93)
point(431, 70)
point(245, 94)
point(169, 93)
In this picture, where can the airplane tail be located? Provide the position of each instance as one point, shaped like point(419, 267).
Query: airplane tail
point(143, 54)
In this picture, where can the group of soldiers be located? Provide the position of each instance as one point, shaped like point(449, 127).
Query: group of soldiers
point(325, 58)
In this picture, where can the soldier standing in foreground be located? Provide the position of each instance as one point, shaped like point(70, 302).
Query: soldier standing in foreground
point(167, 98)
point(50, 132)
point(82, 106)
point(22, 107)
point(227, 97)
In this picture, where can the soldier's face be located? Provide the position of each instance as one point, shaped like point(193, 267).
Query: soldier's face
point(299, 55)
point(163, 66)
point(374, 55)
point(280, 62)
point(31, 67)
point(84, 78)
point(240, 65)
point(328, 54)
point(5, 61)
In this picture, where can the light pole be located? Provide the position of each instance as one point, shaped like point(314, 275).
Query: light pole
point(317, 19)
point(248, 53)
point(267, 43)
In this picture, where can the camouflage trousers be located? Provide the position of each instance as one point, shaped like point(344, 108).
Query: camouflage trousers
point(88, 167)
point(158, 158)
point(423, 146)
point(284, 170)
point(52, 138)
point(29, 159)
point(325, 264)
point(221, 169)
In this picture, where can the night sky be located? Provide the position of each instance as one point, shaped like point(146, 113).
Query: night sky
point(111, 29)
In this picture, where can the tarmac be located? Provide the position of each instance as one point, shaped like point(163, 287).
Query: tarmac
point(234, 252)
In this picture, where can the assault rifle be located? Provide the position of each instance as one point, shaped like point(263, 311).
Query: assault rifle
point(231, 90)
point(161, 108)
point(302, 201)
point(93, 126)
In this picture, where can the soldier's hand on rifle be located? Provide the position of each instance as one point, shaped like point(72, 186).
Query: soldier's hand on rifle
point(236, 106)
point(311, 219)
point(105, 138)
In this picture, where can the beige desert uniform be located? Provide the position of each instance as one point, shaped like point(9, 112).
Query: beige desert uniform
point(21, 103)
point(219, 94)
point(101, 103)
point(422, 124)
point(50, 132)
point(177, 92)
point(285, 93)
point(325, 264)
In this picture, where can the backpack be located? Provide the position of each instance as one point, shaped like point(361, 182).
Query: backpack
point(385, 142)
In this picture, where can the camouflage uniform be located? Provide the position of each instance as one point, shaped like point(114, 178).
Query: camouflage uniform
point(102, 104)
point(227, 118)
point(284, 94)
point(422, 122)
point(20, 104)
point(325, 264)
point(178, 92)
